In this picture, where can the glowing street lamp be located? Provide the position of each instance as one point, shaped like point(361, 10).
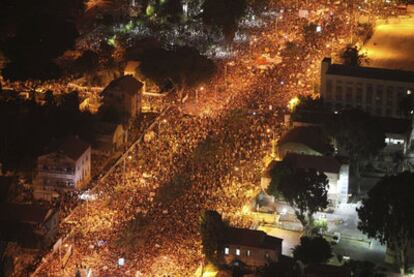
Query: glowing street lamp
point(121, 262)
point(293, 103)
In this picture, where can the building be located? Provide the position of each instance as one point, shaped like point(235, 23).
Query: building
point(250, 247)
point(110, 137)
point(336, 171)
point(67, 168)
point(122, 98)
point(7, 185)
point(310, 140)
point(376, 91)
point(31, 226)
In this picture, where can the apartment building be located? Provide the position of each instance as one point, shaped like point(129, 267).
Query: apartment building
point(376, 91)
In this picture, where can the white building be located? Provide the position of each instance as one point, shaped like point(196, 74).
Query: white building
point(376, 91)
point(337, 173)
point(67, 168)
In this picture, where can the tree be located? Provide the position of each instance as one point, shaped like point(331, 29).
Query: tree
point(387, 214)
point(212, 229)
point(184, 67)
point(311, 34)
point(312, 250)
point(224, 15)
point(45, 37)
point(406, 104)
point(258, 6)
point(292, 52)
point(351, 56)
point(358, 134)
point(283, 268)
point(361, 268)
point(172, 10)
point(306, 190)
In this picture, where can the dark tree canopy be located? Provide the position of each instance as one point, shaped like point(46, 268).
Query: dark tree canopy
point(351, 56)
point(312, 250)
point(39, 39)
point(305, 189)
point(283, 268)
point(212, 229)
point(27, 128)
point(183, 66)
point(406, 104)
point(224, 15)
point(310, 34)
point(387, 214)
point(171, 9)
point(358, 134)
point(362, 268)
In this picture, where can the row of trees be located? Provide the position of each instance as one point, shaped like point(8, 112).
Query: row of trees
point(28, 128)
point(181, 67)
point(387, 214)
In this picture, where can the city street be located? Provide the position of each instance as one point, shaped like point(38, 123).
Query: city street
point(213, 159)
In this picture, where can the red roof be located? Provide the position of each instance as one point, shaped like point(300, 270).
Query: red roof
point(126, 84)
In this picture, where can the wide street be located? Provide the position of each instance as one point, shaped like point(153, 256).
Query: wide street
point(209, 160)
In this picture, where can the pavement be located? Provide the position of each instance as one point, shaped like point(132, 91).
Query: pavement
point(353, 243)
point(392, 43)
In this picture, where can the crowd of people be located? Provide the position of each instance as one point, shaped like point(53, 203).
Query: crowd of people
point(147, 211)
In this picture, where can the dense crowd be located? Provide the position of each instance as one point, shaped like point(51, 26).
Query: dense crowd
point(147, 211)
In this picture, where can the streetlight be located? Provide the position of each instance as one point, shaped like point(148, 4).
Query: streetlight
point(201, 89)
point(124, 168)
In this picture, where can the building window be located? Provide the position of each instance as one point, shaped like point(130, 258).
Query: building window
point(226, 251)
point(380, 94)
point(388, 112)
point(349, 96)
point(248, 253)
point(329, 86)
point(238, 252)
point(369, 93)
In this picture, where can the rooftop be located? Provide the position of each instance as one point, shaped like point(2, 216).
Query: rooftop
point(327, 164)
point(73, 147)
point(106, 128)
point(371, 73)
point(126, 84)
point(252, 238)
point(311, 136)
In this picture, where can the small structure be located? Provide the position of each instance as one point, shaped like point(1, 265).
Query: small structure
point(67, 168)
point(123, 98)
point(335, 170)
point(250, 247)
point(309, 140)
point(31, 226)
point(110, 137)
